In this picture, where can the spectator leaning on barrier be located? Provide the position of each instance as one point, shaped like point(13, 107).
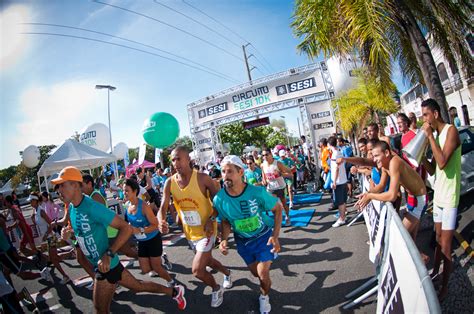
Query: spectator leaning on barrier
point(446, 164)
point(339, 182)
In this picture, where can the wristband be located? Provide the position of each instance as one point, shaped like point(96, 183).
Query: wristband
point(110, 253)
point(212, 218)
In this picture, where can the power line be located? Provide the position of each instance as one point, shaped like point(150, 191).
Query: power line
point(128, 47)
point(230, 30)
point(258, 60)
point(204, 13)
point(172, 26)
point(198, 22)
point(135, 42)
point(261, 54)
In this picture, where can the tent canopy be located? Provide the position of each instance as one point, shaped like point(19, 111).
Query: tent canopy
point(7, 188)
point(72, 153)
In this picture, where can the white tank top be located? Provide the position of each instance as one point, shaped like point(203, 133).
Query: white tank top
point(275, 181)
point(40, 222)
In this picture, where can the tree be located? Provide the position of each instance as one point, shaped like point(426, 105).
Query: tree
point(238, 137)
point(381, 32)
point(365, 101)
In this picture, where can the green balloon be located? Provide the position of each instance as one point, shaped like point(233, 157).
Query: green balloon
point(252, 181)
point(160, 130)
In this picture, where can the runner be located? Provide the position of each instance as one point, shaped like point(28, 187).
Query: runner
point(241, 206)
point(191, 193)
point(401, 174)
point(253, 174)
point(145, 229)
point(27, 233)
point(290, 164)
point(145, 182)
point(446, 164)
point(45, 232)
point(273, 178)
point(89, 220)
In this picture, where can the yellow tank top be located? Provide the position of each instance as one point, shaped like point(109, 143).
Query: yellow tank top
point(193, 207)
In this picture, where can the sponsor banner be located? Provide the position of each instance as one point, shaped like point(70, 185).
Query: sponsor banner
point(321, 119)
point(141, 153)
point(256, 123)
point(203, 146)
point(374, 215)
point(250, 97)
point(158, 155)
point(401, 288)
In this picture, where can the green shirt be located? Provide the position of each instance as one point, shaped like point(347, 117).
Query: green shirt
point(245, 211)
point(447, 187)
point(89, 221)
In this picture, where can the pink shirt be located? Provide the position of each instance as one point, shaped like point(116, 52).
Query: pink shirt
point(52, 210)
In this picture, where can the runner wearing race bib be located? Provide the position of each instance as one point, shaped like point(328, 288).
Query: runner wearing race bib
point(242, 206)
point(145, 229)
point(274, 173)
point(89, 220)
point(191, 191)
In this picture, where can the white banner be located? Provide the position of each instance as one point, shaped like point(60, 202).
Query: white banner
point(401, 287)
point(291, 86)
point(126, 159)
point(141, 153)
point(374, 215)
point(321, 119)
point(158, 155)
point(204, 146)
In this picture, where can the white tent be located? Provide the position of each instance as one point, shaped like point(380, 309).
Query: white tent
point(72, 153)
point(7, 188)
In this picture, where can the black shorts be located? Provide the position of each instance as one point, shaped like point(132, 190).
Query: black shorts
point(151, 248)
point(8, 260)
point(280, 193)
point(113, 276)
point(339, 195)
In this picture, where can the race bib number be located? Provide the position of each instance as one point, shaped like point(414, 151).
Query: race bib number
point(82, 245)
point(140, 236)
point(247, 225)
point(191, 218)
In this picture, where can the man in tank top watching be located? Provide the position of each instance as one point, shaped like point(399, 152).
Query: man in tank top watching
point(446, 164)
point(192, 193)
point(274, 174)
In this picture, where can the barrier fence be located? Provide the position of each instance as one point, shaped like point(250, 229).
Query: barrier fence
point(402, 282)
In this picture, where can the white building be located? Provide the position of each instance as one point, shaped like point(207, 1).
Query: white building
point(458, 87)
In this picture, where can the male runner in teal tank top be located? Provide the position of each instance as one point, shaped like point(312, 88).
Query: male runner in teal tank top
point(242, 206)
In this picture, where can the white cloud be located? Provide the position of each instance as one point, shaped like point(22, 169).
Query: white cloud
point(50, 115)
point(12, 43)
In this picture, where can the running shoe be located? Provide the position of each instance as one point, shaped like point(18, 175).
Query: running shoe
point(166, 262)
point(65, 280)
point(339, 223)
point(90, 286)
point(179, 298)
point(287, 222)
point(46, 275)
point(171, 284)
point(291, 205)
point(227, 284)
point(153, 273)
point(265, 306)
point(217, 297)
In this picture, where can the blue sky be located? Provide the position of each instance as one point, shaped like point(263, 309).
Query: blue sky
point(47, 82)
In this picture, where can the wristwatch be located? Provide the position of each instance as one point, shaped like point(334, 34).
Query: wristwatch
point(212, 218)
point(110, 253)
point(142, 230)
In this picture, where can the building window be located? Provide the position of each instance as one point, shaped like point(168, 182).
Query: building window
point(443, 74)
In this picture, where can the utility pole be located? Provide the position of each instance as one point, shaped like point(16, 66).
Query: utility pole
point(247, 62)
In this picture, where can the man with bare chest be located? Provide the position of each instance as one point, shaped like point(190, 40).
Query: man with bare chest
point(192, 193)
point(401, 174)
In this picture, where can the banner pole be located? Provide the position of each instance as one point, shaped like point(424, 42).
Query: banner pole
point(361, 298)
point(355, 219)
point(366, 285)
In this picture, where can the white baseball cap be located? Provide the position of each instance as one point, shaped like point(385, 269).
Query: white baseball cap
point(282, 153)
point(233, 160)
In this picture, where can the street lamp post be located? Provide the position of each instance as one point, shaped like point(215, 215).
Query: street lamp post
point(109, 88)
point(286, 127)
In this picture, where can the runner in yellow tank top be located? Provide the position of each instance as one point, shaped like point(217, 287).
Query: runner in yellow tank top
point(192, 193)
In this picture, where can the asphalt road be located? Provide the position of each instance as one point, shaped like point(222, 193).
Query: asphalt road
point(317, 267)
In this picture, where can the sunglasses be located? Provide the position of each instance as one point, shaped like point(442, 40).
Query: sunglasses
point(249, 163)
point(264, 155)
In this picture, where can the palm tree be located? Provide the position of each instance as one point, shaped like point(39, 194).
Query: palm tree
point(382, 32)
point(365, 101)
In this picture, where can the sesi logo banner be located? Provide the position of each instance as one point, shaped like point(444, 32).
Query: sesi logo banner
point(296, 86)
point(213, 110)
